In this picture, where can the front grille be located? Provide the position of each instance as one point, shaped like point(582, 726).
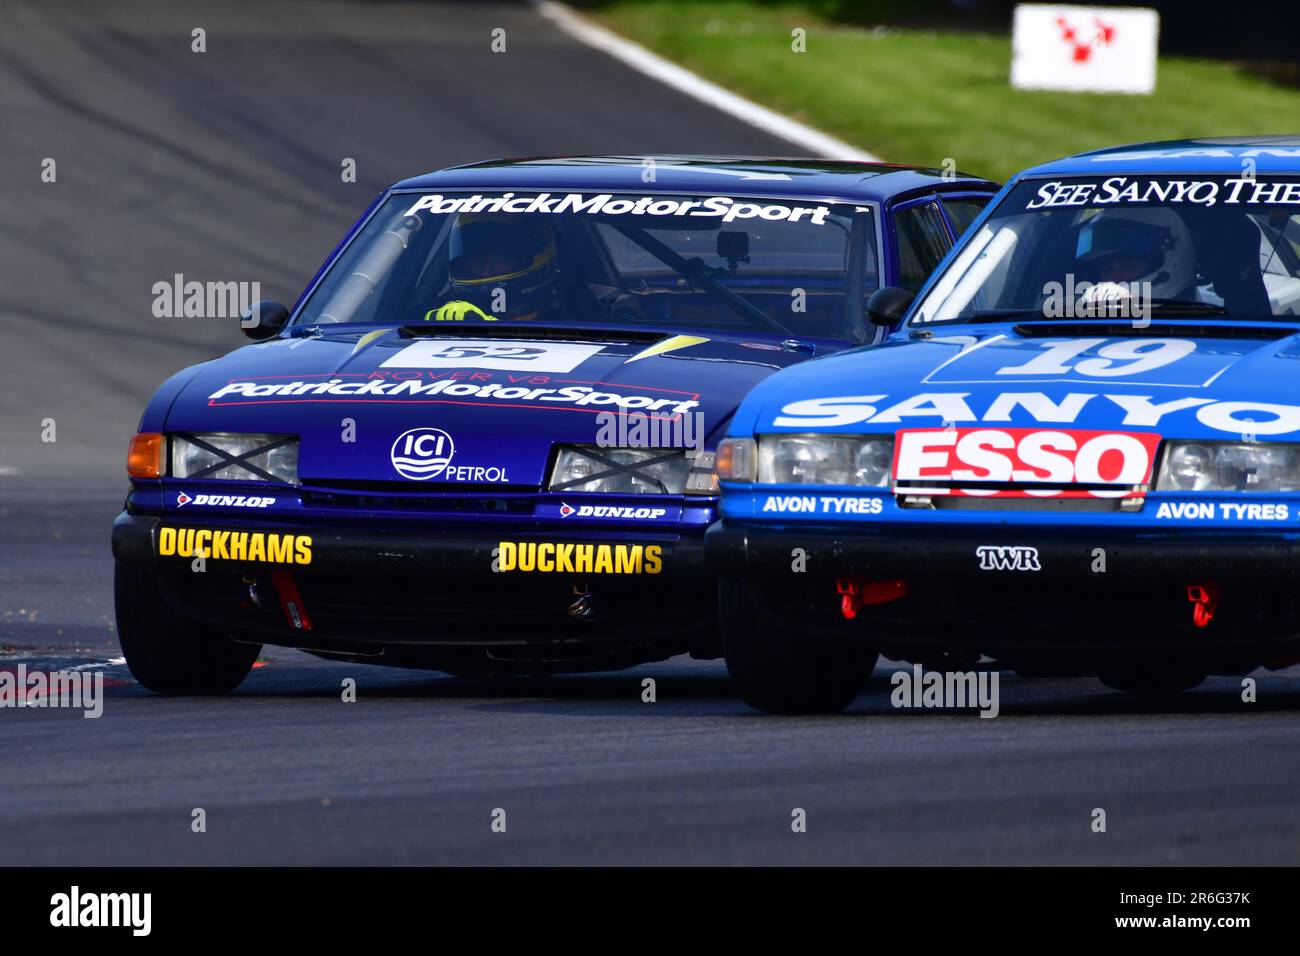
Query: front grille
point(1045, 505)
point(468, 504)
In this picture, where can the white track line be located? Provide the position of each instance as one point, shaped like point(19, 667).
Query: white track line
point(684, 81)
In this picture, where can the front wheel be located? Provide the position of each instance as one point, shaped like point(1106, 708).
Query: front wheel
point(783, 670)
point(170, 654)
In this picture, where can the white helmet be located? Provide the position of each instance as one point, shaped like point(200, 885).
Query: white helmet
point(1140, 245)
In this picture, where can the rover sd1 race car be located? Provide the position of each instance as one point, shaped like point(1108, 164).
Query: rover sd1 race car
point(1079, 454)
point(482, 440)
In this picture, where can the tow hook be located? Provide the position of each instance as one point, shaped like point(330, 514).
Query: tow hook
point(1205, 601)
point(295, 611)
point(583, 605)
point(856, 593)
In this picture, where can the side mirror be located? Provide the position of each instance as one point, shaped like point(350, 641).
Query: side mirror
point(889, 304)
point(263, 320)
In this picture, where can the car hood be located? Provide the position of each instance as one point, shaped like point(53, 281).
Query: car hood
point(503, 397)
point(1186, 379)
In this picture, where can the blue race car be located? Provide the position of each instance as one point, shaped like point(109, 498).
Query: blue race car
point(483, 439)
point(1078, 454)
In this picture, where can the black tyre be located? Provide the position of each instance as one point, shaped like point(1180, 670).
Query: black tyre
point(783, 670)
point(170, 654)
point(1150, 678)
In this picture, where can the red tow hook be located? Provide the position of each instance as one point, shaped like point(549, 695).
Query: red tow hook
point(1205, 601)
point(856, 593)
point(295, 611)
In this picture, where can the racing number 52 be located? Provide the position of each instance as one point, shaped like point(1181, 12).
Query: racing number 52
point(519, 352)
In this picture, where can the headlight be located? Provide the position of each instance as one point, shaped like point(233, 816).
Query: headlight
point(237, 457)
point(1219, 466)
point(824, 460)
point(630, 471)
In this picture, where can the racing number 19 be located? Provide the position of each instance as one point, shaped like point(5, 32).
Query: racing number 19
point(1120, 357)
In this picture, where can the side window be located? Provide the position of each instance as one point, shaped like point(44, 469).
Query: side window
point(963, 211)
point(922, 242)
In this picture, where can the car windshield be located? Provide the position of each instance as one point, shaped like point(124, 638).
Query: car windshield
point(1106, 246)
point(708, 262)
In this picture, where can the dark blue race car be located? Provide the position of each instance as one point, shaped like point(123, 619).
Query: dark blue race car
point(1078, 455)
point(483, 439)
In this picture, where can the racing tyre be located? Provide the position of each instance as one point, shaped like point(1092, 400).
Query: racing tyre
point(782, 670)
point(1150, 679)
point(170, 654)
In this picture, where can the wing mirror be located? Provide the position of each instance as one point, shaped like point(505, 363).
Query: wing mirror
point(263, 320)
point(889, 304)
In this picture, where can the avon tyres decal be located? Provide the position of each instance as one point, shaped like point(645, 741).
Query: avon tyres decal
point(554, 558)
point(1243, 511)
point(856, 506)
point(235, 545)
point(1132, 361)
point(1023, 456)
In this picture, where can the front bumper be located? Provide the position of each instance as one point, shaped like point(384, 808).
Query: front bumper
point(1004, 591)
point(899, 551)
point(426, 597)
point(401, 551)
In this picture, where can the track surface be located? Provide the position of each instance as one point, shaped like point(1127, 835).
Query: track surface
point(226, 165)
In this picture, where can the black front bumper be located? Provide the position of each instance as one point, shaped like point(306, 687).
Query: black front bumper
point(399, 551)
point(997, 588)
point(431, 598)
point(742, 550)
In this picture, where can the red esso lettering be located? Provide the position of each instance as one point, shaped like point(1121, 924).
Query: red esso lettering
point(1020, 456)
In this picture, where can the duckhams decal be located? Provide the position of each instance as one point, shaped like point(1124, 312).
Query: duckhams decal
point(549, 557)
point(930, 460)
point(1140, 411)
point(235, 545)
point(486, 353)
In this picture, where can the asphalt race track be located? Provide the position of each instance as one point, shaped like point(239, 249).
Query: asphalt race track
point(226, 164)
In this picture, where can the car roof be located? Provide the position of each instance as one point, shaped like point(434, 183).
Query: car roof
point(708, 175)
point(1271, 154)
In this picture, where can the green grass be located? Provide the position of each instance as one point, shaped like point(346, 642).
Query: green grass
point(917, 96)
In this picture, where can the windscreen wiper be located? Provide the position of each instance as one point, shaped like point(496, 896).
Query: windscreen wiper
point(697, 273)
point(1185, 307)
point(1157, 306)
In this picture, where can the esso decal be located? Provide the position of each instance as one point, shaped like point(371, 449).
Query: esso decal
point(939, 460)
point(422, 453)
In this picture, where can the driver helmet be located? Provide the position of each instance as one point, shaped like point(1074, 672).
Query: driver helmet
point(1139, 245)
point(491, 251)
